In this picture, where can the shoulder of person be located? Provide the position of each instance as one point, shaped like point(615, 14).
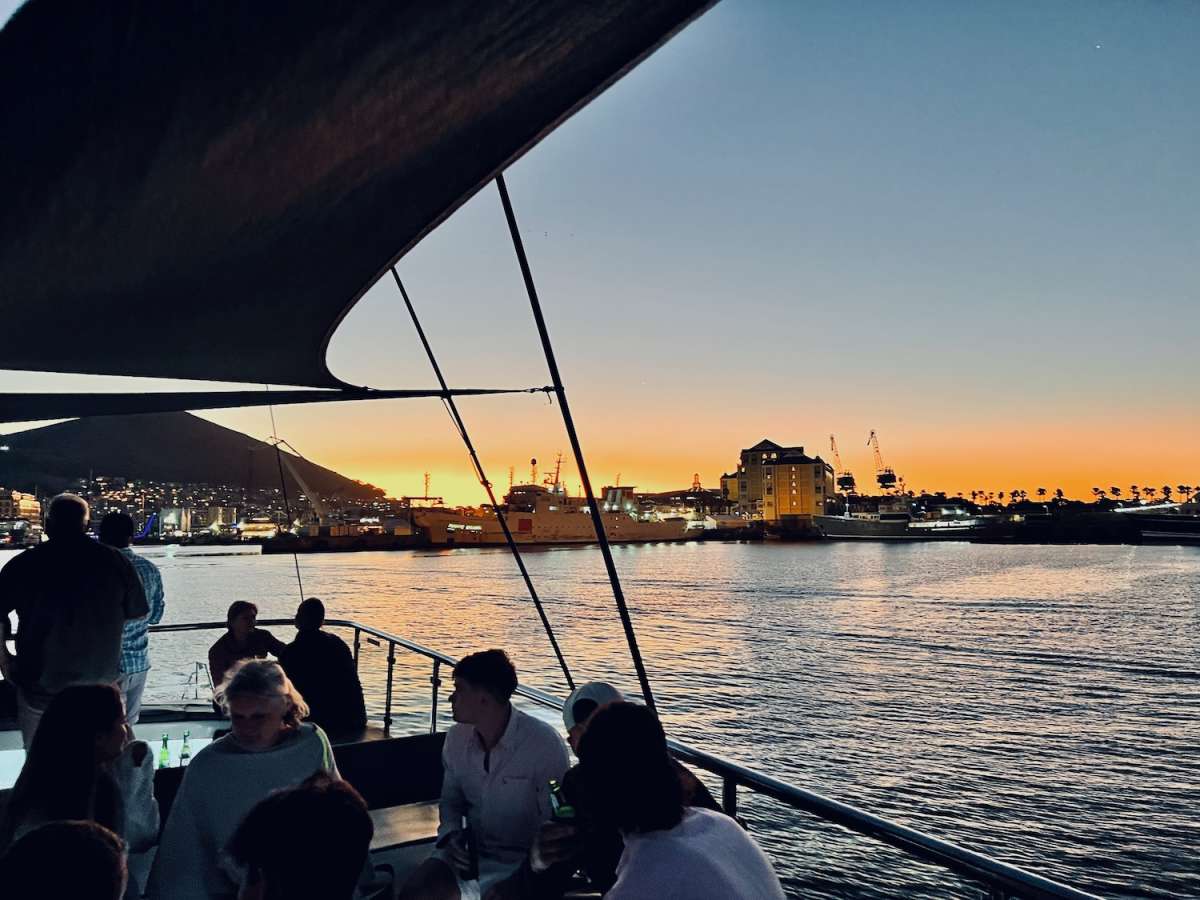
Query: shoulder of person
point(537, 729)
point(138, 753)
point(459, 735)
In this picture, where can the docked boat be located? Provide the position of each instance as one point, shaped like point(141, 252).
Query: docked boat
point(894, 519)
point(1163, 523)
point(263, 200)
point(545, 515)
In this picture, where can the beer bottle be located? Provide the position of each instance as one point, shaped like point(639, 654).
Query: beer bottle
point(164, 753)
point(560, 809)
point(185, 753)
point(472, 873)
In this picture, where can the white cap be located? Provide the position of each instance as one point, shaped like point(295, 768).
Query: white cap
point(598, 692)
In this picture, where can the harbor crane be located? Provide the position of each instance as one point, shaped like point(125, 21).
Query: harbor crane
point(320, 513)
point(845, 480)
point(883, 474)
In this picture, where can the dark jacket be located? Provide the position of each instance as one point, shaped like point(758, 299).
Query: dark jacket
point(321, 667)
point(72, 596)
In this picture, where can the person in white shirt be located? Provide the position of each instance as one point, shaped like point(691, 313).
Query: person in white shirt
point(498, 763)
point(670, 851)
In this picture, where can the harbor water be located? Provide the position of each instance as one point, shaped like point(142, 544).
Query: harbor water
point(1040, 704)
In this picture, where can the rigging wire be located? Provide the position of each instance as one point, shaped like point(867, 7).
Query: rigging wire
point(287, 507)
point(460, 425)
point(569, 423)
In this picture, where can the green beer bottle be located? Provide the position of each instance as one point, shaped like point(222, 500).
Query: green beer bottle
point(560, 809)
point(185, 752)
point(164, 753)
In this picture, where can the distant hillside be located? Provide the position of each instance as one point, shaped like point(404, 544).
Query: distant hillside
point(176, 447)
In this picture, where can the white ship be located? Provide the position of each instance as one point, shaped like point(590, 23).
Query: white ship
point(538, 514)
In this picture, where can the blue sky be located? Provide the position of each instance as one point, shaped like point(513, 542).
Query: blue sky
point(972, 227)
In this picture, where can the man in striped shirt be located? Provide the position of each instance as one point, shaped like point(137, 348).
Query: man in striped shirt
point(116, 530)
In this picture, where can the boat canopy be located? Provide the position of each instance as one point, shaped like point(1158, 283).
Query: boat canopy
point(204, 190)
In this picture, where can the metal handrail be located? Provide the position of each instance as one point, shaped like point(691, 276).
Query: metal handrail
point(1001, 879)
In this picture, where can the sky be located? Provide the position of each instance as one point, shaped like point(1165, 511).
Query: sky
point(973, 228)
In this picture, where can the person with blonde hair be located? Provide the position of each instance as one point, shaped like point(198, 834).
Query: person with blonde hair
point(269, 747)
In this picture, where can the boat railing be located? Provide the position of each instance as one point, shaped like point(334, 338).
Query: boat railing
point(1000, 880)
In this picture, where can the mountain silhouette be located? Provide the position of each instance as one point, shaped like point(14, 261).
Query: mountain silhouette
point(170, 447)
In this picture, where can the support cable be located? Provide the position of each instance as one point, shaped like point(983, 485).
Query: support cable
point(569, 422)
point(287, 507)
point(460, 425)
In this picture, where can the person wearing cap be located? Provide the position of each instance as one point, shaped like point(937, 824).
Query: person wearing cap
point(562, 849)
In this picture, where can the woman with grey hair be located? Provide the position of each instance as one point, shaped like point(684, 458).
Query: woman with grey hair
point(269, 747)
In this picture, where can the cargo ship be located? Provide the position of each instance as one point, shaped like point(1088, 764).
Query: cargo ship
point(545, 514)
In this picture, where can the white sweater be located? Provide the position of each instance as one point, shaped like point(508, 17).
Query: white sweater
point(221, 785)
point(707, 856)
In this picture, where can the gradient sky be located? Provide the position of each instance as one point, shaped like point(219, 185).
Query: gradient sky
point(974, 228)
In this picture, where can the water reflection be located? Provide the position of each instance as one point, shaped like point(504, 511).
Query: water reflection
point(1015, 699)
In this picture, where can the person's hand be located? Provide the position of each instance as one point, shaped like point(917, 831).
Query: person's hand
point(556, 842)
point(456, 850)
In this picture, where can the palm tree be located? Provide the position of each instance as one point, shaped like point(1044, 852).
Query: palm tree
point(1166, 492)
point(1115, 491)
point(1136, 492)
point(1096, 492)
point(1041, 492)
point(1150, 492)
point(1186, 490)
point(974, 494)
point(1058, 494)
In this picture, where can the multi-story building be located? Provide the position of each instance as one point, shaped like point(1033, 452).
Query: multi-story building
point(729, 489)
point(16, 505)
point(782, 485)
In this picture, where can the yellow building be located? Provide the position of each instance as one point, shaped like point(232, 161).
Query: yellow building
point(783, 485)
point(16, 505)
point(729, 488)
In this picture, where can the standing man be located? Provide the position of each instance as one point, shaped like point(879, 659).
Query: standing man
point(72, 596)
point(498, 763)
point(116, 530)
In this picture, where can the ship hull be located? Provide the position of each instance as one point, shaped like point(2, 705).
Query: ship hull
point(448, 528)
point(836, 528)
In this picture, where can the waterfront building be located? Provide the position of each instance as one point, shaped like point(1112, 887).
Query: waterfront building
point(729, 489)
point(783, 485)
point(175, 520)
point(18, 505)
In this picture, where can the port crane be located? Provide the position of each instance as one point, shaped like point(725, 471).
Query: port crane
point(883, 474)
point(845, 480)
point(320, 513)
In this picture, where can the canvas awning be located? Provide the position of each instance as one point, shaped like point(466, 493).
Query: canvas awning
point(204, 190)
point(40, 407)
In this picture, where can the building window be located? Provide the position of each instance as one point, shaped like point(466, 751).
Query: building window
point(769, 489)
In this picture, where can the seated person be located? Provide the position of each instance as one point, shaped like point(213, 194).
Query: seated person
point(76, 859)
point(241, 641)
point(670, 851)
point(269, 747)
point(277, 843)
point(82, 766)
point(321, 667)
point(581, 845)
point(497, 763)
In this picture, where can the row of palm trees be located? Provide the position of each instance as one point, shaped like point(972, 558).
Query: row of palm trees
point(1137, 493)
point(1184, 491)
